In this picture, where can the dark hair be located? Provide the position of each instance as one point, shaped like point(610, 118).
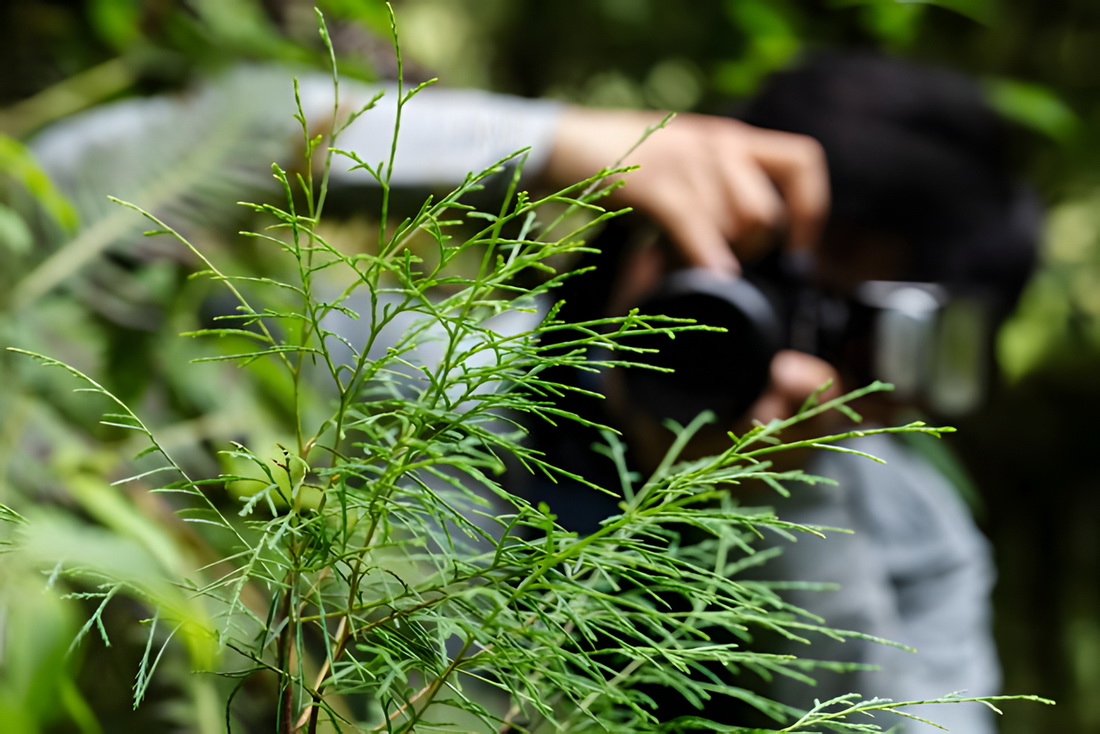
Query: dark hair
point(917, 153)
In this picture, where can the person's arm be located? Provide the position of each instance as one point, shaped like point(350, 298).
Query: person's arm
point(720, 189)
point(717, 187)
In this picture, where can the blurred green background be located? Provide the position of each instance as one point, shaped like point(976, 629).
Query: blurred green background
point(1031, 453)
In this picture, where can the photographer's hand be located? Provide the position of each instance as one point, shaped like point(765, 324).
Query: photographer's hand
point(719, 189)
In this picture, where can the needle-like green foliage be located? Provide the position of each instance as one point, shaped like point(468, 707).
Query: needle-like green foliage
point(377, 564)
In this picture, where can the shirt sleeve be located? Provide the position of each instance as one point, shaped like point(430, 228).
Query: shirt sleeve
point(444, 134)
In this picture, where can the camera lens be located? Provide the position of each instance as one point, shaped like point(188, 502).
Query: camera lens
point(721, 371)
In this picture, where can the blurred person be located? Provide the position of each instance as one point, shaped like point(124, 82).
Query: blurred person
point(929, 242)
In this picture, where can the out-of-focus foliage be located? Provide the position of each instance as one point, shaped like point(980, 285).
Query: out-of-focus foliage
point(1040, 60)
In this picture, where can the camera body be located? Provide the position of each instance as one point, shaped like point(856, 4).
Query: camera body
point(933, 343)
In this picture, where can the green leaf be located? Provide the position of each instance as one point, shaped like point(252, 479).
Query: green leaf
point(118, 22)
point(15, 236)
point(18, 162)
point(1035, 106)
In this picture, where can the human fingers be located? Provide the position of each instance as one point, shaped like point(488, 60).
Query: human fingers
point(757, 214)
point(712, 200)
point(715, 185)
point(674, 183)
point(793, 377)
point(797, 166)
point(697, 224)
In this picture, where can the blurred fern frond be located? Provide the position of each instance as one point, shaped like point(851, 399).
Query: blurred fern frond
point(187, 156)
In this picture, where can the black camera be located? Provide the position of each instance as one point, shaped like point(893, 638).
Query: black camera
point(932, 342)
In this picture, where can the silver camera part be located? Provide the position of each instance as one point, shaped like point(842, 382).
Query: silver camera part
point(929, 343)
